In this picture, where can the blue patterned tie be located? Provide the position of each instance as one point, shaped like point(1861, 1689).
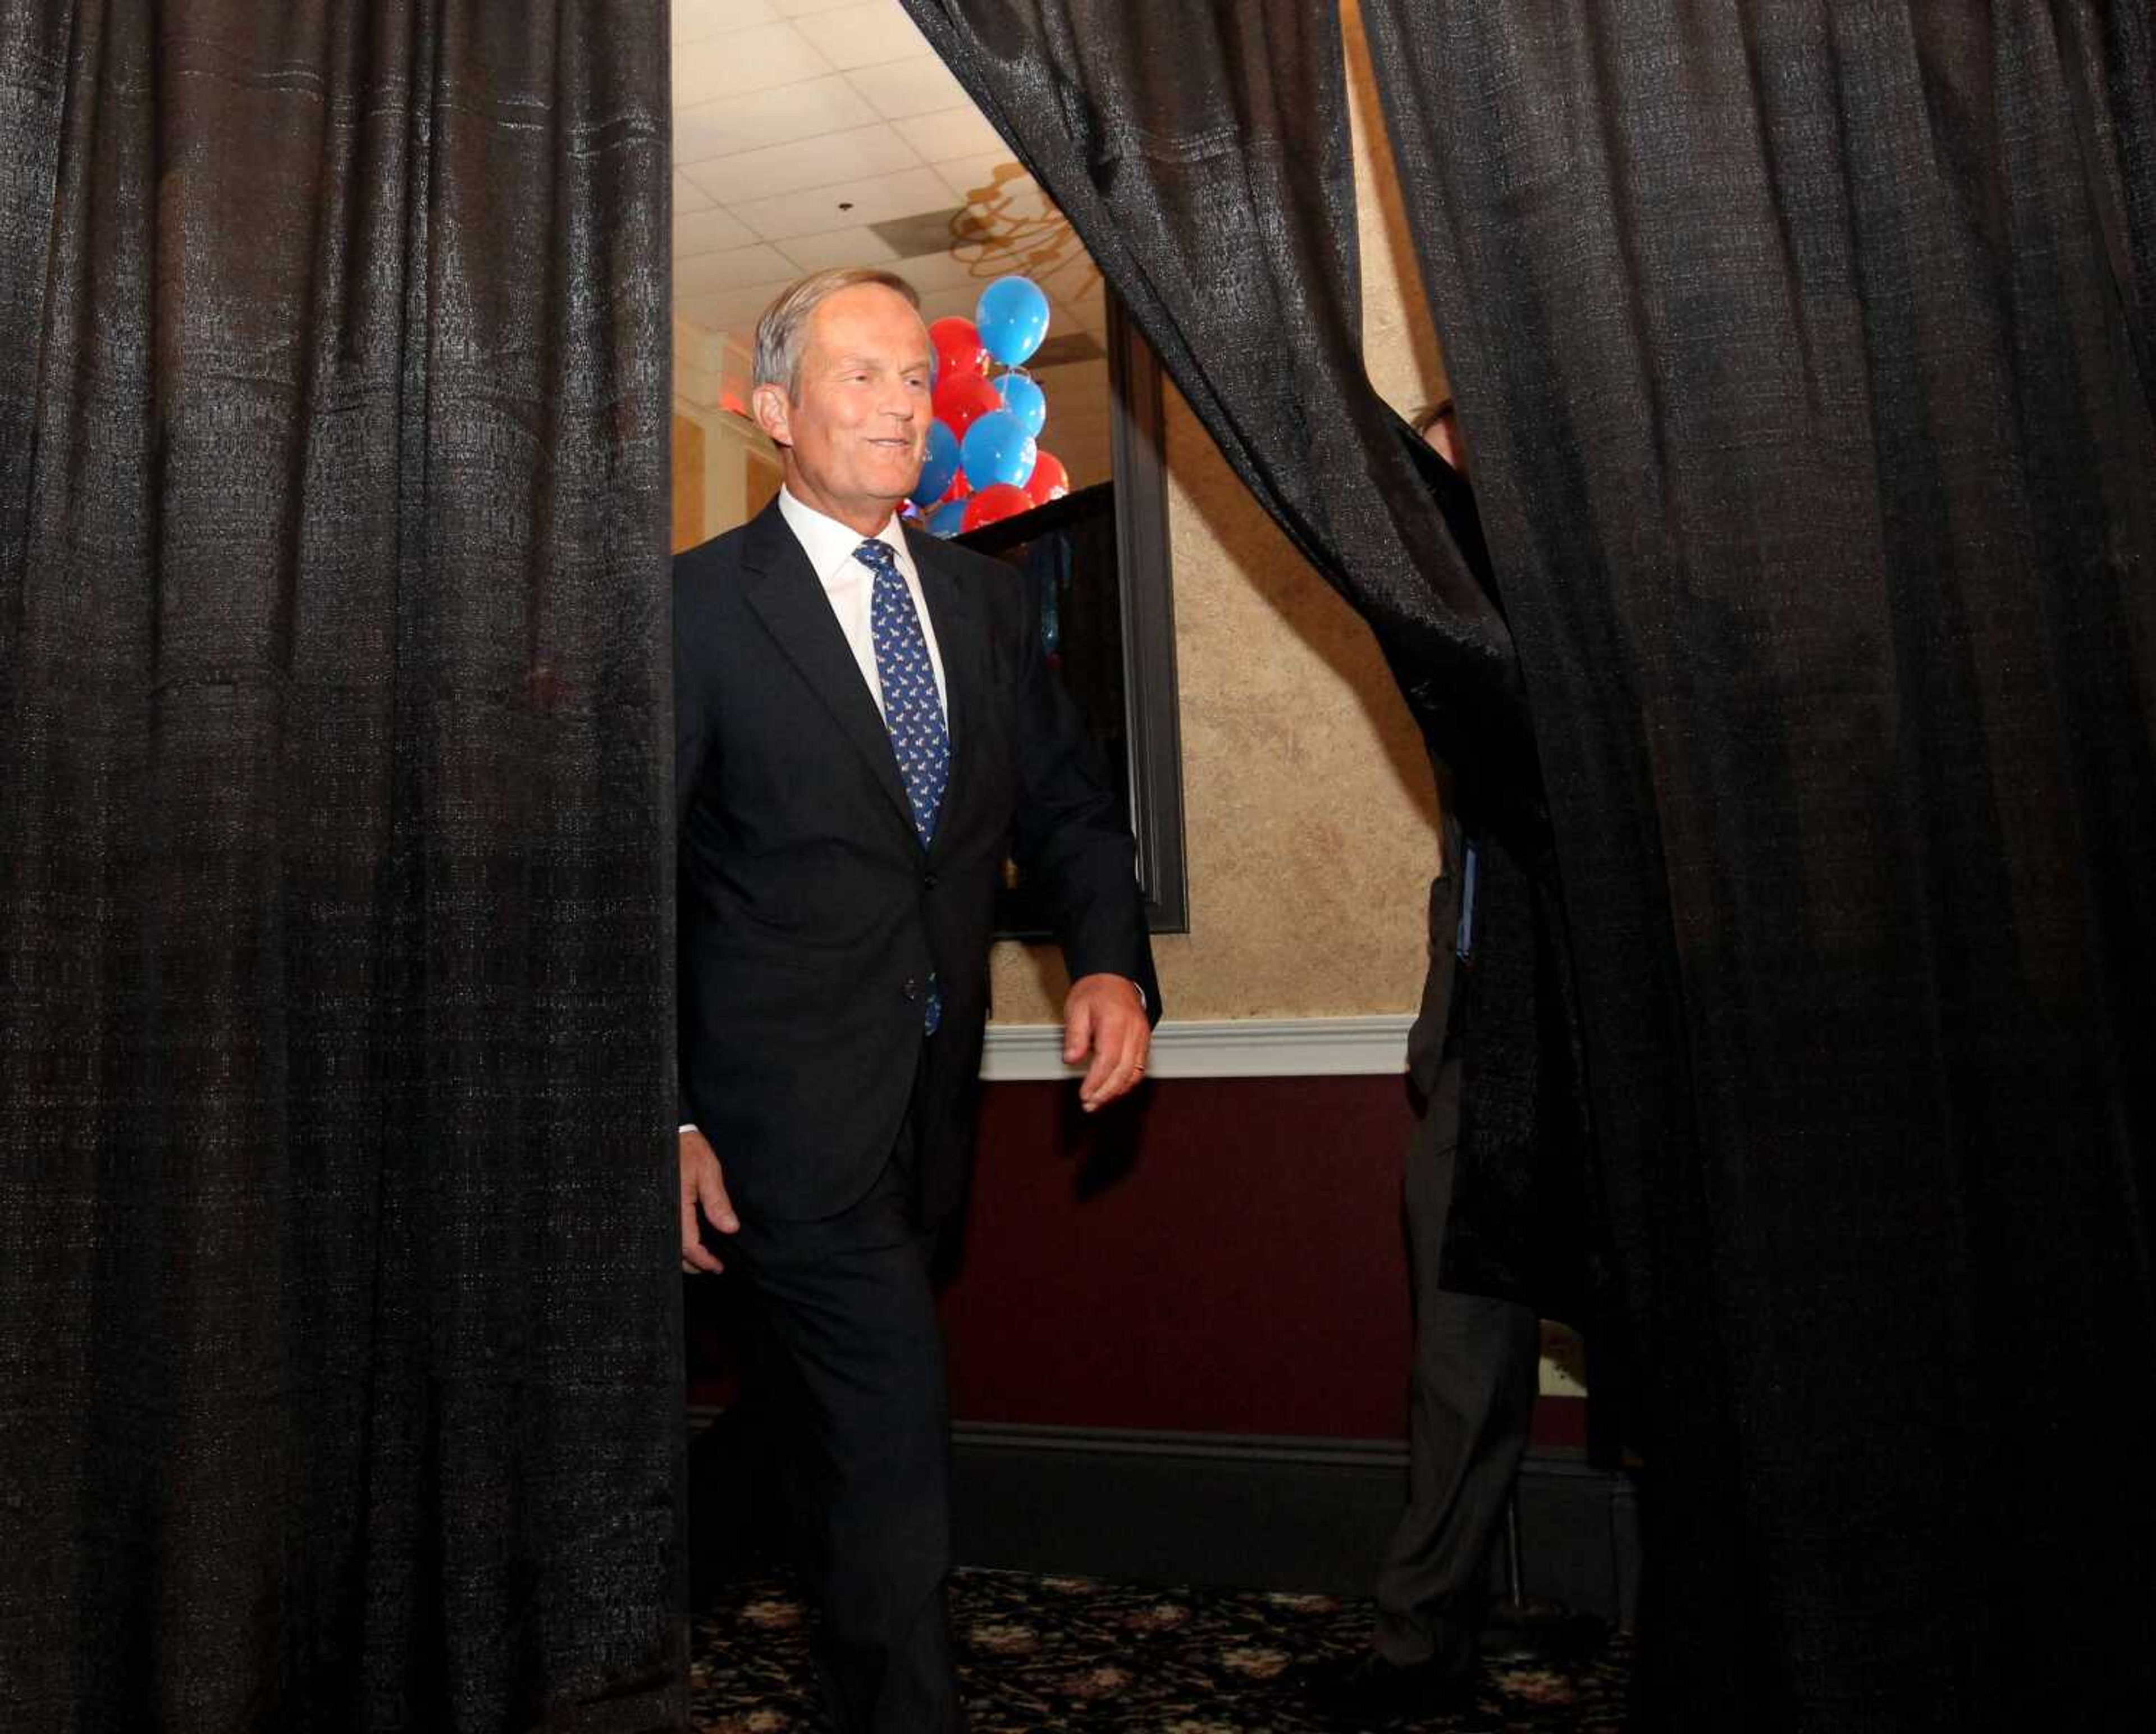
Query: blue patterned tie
point(911, 709)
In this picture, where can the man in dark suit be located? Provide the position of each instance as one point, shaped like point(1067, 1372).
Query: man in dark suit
point(865, 731)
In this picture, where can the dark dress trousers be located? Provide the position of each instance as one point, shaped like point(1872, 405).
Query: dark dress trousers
point(812, 922)
point(1472, 1387)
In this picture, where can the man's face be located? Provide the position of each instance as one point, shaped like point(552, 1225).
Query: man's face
point(857, 422)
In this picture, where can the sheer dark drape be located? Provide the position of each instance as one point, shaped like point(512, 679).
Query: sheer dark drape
point(1202, 155)
point(1797, 348)
point(339, 1364)
point(1804, 354)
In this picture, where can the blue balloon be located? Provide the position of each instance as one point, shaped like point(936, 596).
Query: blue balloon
point(1023, 398)
point(939, 464)
point(947, 519)
point(997, 448)
point(1012, 318)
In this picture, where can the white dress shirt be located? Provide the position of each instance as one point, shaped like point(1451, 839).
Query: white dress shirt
point(850, 586)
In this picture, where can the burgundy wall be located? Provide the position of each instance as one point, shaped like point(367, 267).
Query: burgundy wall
point(1223, 1255)
point(1220, 1255)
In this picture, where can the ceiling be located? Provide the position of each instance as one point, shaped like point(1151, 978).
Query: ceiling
point(809, 133)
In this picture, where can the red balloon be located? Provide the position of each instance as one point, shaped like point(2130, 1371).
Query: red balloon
point(1049, 480)
point(959, 488)
point(958, 347)
point(962, 399)
point(993, 504)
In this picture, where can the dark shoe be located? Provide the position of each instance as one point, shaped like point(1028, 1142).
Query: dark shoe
point(1367, 1689)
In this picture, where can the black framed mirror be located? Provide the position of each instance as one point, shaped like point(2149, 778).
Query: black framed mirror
point(1100, 557)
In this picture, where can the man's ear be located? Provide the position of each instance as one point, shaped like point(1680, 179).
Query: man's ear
point(773, 415)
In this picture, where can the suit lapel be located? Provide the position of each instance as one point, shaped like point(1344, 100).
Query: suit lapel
point(787, 597)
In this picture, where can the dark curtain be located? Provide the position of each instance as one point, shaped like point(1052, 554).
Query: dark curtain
point(1804, 354)
point(1801, 352)
point(339, 1336)
point(1202, 155)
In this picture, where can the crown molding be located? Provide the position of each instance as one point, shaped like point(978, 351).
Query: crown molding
point(1227, 1048)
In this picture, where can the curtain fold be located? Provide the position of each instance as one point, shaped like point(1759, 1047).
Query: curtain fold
point(1797, 347)
point(1202, 155)
point(338, 1312)
point(1804, 352)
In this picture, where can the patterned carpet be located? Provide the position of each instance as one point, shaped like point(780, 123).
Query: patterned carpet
point(1076, 1653)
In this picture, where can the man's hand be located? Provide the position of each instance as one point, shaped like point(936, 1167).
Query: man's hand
point(702, 1184)
point(1105, 1015)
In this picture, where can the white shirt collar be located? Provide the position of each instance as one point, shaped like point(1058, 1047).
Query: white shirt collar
point(830, 545)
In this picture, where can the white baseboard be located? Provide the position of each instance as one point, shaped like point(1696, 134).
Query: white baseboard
point(1228, 1048)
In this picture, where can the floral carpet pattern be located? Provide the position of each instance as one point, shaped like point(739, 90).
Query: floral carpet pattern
point(1082, 1654)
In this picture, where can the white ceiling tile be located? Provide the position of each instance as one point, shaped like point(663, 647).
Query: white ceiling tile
point(996, 255)
point(696, 232)
point(968, 267)
point(742, 61)
point(920, 86)
point(689, 197)
point(906, 193)
point(951, 133)
point(971, 179)
point(950, 303)
point(731, 270)
point(839, 247)
point(935, 271)
point(765, 118)
point(1016, 199)
point(825, 160)
point(699, 20)
point(864, 35)
point(1034, 249)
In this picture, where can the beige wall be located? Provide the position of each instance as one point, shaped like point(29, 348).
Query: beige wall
point(688, 459)
point(1310, 821)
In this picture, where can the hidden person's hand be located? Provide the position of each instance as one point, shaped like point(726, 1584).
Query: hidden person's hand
point(703, 1187)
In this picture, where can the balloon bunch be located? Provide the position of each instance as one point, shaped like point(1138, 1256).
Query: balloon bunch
point(984, 463)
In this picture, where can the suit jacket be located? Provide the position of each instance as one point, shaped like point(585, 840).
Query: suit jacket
point(811, 917)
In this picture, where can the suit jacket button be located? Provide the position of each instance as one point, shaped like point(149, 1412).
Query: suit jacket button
point(912, 988)
point(928, 881)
